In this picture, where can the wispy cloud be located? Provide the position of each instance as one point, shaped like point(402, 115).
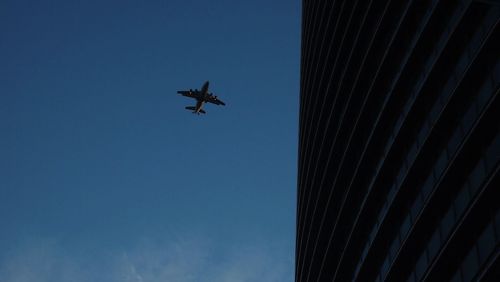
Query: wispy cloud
point(180, 260)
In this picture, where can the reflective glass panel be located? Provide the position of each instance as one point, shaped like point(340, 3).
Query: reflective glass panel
point(434, 245)
point(462, 200)
point(447, 223)
point(486, 243)
point(470, 264)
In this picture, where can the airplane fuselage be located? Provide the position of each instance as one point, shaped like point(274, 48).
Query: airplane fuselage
point(199, 105)
point(204, 89)
point(202, 98)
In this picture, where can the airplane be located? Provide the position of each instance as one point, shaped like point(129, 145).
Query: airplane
point(202, 96)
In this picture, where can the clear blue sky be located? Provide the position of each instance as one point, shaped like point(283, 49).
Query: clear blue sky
point(104, 176)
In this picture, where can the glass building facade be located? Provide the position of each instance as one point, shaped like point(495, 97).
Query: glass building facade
point(399, 142)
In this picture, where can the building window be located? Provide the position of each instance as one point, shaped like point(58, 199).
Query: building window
point(441, 163)
point(486, 243)
point(412, 154)
point(405, 227)
point(470, 264)
point(497, 225)
point(417, 205)
point(412, 277)
point(427, 187)
point(457, 277)
point(385, 267)
point(493, 153)
point(447, 223)
point(454, 140)
point(395, 246)
point(477, 177)
point(421, 266)
point(434, 244)
point(462, 200)
point(469, 119)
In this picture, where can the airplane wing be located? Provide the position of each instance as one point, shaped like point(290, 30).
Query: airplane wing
point(215, 100)
point(190, 94)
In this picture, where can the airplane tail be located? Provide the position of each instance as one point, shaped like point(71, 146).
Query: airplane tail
point(194, 109)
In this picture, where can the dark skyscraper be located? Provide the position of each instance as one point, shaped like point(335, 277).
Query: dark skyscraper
point(399, 143)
